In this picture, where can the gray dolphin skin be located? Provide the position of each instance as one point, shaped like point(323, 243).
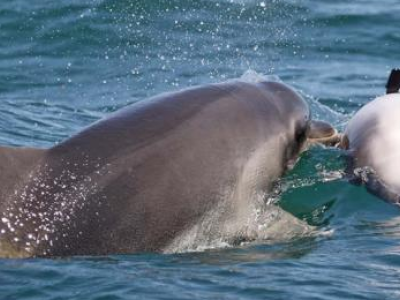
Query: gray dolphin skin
point(137, 180)
point(372, 138)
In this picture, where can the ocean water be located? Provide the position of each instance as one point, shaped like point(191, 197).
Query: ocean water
point(67, 63)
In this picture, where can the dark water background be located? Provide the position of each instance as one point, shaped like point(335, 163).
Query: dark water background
point(67, 63)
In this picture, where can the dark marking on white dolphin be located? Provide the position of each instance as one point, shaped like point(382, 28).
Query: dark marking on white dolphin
point(393, 84)
point(138, 179)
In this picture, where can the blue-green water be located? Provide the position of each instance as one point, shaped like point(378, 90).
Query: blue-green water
point(67, 63)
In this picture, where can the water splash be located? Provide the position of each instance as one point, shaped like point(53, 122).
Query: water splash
point(266, 223)
point(252, 76)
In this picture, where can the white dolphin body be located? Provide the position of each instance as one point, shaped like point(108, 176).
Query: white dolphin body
point(373, 138)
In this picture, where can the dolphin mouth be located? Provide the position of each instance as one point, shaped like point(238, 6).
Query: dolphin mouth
point(321, 132)
point(331, 140)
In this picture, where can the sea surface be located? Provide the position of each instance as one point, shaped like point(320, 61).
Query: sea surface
point(67, 63)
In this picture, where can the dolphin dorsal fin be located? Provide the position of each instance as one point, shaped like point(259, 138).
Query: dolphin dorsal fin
point(15, 164)
point(393, 84)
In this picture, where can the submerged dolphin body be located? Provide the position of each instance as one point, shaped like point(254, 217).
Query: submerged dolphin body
point(372, 138)
point(184, 162)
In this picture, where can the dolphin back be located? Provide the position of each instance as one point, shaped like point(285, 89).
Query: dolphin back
point(15, 165)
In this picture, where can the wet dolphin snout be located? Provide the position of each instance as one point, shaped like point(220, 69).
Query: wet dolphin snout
point(323, 133)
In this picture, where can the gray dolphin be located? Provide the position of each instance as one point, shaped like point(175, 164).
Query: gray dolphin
point(138, 179)
point(372, 138)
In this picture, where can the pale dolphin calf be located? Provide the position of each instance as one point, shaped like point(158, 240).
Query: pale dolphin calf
point(136, 181)
point(372, 138)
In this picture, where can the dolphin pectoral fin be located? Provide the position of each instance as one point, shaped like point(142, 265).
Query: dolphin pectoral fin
point(15, 163)
point(323, 133)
